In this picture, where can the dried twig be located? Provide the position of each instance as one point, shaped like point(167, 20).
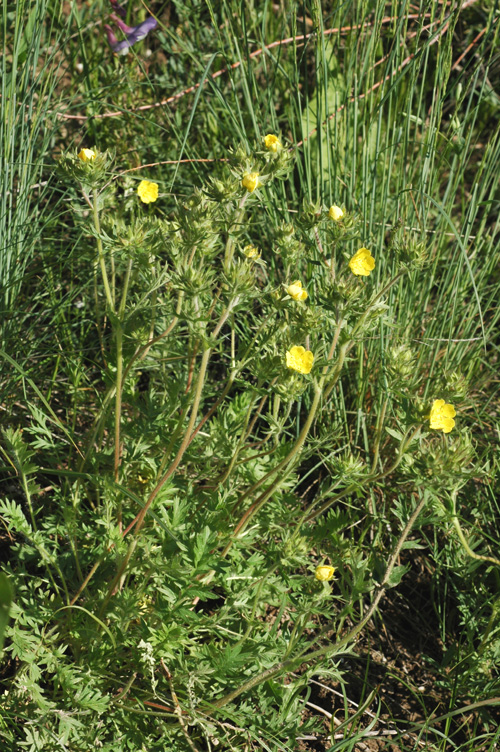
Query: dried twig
point(177, 707)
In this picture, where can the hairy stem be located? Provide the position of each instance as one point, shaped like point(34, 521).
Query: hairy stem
point(119, 385)
point(100, 252)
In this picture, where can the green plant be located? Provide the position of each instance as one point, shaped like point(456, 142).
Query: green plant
point(184, 464)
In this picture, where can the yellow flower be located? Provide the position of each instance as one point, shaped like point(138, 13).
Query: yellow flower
point(147, 192)
point(335, 213)
point(87, 155)
point(441, 417)
point(250, 181)
point(362, 263)
point(324, 573)
point(272, 143)
point(251, 252)
point(299, 359)
point(296, 292)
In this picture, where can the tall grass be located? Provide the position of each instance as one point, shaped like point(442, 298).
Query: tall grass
point(29, 76)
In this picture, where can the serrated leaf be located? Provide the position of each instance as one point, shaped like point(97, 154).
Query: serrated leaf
point(200, 545)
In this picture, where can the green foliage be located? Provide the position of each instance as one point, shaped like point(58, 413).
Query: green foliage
point(6, 597)
point(171, 483)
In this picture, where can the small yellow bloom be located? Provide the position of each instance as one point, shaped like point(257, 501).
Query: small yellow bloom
point(441, 417)
point(362, 263)
point(251, 252)
point(272, 143)
point(335, 213)
point(250, 181)
point(296, 292)
point(87, 155)
point(299, 359)
point(324, 573)
point(147, 191)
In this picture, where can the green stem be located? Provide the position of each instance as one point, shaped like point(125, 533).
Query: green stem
point(492, 622)
point(229, 253)
point(330, 265)
point(86, 581)
point(142, 351)
point(138, 355)
point(118, 410)
point(256, 506)
point(468, 549)
point(100, 252)
point(139, 520)
point(285, 464)
point(185, 441)
point(378, 434)
point(239, 444)
point(119, 385)
point(118, 576)
point(126, 282)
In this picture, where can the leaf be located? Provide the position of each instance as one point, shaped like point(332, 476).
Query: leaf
point(395, 434)
point(412, 544)
point(396, 576)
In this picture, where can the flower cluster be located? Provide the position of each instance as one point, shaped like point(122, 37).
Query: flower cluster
point(441, 416)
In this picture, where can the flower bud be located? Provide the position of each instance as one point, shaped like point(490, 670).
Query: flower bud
point(324, 573)
point(87, 155)
point(251, 252)
point(272, 143)
point(310, 215)
point(401, 366)
point(250, 181)
point(455, 384)
point(296, 292)
point(335, 213)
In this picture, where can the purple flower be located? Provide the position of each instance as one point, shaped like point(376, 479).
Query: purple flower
point(133, 33)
